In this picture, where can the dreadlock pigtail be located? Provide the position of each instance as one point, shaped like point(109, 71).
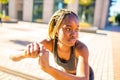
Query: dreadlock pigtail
point(52, 24)
point(58, 22)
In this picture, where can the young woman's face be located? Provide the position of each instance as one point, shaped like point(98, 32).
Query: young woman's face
point(68, 31)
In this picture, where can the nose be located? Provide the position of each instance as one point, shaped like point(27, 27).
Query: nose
point(74, 34)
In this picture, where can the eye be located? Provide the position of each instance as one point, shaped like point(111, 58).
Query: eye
point(68, 29)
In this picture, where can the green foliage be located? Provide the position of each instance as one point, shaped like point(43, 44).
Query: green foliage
point(117, 18)
point(85, 2)
point(3, 1)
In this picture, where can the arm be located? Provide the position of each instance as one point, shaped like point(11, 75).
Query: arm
point(31, 51)
point(82, 69)
point(83, 65)
point(17, 57)
point(82, 72)
point(57, 74)
point(60, 75)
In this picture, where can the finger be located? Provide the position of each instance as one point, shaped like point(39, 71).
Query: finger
point(40, 54)
point(31, 48)
point(40, 47)
point(36, 47)
point(43, 52)
point(27, 50)
point(43, 49)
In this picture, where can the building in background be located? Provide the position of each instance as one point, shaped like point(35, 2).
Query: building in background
point(95, 13)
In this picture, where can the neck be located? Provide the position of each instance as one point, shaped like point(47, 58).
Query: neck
point(63, 47)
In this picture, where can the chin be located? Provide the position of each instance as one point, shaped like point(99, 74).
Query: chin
point(71, 44)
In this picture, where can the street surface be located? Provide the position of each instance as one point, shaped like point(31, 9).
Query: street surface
point(15, 36)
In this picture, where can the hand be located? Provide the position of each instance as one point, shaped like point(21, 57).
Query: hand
point(32, 50)
point(43, 58)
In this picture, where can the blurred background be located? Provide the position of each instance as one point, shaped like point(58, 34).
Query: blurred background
point(103, 14)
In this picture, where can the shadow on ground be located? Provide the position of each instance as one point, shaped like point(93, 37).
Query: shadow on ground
point(20, 42)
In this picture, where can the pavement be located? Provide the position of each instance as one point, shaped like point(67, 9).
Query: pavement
point(103, 48)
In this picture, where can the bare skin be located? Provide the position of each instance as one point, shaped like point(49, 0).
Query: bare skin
point(67, 37)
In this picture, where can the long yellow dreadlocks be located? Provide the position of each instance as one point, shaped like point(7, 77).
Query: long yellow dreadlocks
point(56, 20)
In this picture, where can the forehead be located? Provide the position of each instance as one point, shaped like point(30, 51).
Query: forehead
point(70, 19)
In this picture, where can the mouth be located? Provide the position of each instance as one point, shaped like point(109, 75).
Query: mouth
point(72, 41)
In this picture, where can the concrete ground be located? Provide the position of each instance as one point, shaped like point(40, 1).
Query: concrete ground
point(103, 47)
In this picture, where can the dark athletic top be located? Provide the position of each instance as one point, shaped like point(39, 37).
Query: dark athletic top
point(66, 64)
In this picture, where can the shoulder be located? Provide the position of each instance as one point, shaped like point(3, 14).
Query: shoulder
point(81, 49)
point(48, 43)
point(79, 46)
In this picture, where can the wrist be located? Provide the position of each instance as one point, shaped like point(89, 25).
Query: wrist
point(47, 68)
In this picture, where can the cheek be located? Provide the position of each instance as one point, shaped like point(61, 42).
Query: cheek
point(60, 34)
point(63, 34)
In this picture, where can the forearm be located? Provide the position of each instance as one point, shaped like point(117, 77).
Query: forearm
point(60, 75)
point(18, 57)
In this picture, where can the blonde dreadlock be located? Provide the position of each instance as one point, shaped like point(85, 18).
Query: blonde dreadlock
point(56, 20)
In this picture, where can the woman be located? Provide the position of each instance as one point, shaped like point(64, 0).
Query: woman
point(69, 53)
